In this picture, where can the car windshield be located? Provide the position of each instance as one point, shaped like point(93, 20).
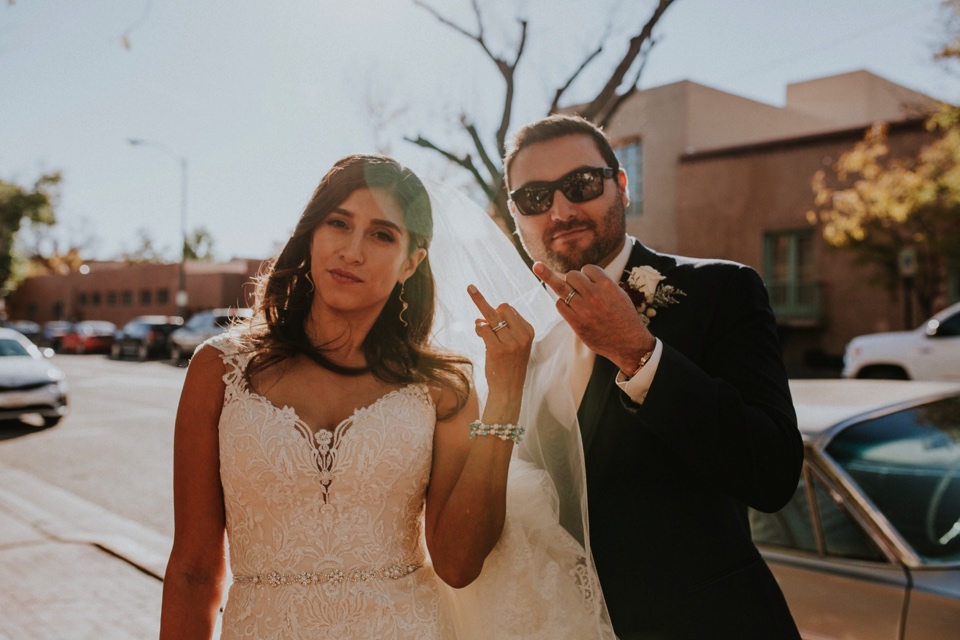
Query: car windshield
point(12, 348)
point(908, 464)
point(102, 327)
point(198, 321)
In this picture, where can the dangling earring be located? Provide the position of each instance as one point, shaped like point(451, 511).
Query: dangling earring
point(310, 280)
point(404, 306)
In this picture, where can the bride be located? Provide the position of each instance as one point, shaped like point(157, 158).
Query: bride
point(338, 443)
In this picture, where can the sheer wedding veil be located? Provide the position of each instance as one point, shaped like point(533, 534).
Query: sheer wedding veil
point(469, 248)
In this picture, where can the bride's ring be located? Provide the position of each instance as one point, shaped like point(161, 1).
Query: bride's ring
point(499, 325)
point(569, 297)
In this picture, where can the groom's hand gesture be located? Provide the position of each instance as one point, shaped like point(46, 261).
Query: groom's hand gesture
point(601, 314)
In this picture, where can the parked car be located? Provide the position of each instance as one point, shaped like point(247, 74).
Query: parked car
point(88, 336)
point(144, 337)
point(202, 326)
point(30, 385)
point(869, 546)
point(31, 330)
point(929, 352)
point(53, 332)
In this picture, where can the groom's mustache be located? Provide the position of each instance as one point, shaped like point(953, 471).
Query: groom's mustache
point(569, 225)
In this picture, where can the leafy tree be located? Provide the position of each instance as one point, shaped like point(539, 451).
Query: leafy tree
point(950, 50)
point(18, 204)
point(55, 248)
point(199, 245)
point(145, 251)
point(615, 86)
point(877, 206)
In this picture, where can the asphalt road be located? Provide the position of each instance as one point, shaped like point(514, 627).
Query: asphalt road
point(86, 513)
point(114, 449)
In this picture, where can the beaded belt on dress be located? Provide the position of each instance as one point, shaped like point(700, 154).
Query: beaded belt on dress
point(333, 576)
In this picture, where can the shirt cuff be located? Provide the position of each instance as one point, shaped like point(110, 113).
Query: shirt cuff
point(638, 386)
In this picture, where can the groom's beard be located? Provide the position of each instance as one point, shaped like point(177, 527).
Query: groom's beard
point(608, 237)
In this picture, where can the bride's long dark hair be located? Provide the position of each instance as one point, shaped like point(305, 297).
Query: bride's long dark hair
point(396, 351)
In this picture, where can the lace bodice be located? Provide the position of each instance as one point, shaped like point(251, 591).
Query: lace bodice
point(325, 530)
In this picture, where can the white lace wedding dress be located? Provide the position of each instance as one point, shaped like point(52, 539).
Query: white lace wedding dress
point(326, 532)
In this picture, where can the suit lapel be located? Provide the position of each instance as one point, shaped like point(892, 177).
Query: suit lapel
point(595, 398)
point(604, 372)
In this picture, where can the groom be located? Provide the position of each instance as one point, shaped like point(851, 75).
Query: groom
point(685, 413)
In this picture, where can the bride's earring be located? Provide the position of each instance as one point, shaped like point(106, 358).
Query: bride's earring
point(310, 280)
point(403, 307)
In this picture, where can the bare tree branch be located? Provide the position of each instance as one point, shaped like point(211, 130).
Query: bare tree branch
point(603, 119)
point(492, 167)
point(602, 108)
point(466, 162)
point(609, 91)
point(125, 37)
point(507, 70)
point(555, 105)
point(476, 37)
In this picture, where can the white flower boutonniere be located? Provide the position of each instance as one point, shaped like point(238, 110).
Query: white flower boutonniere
point(644, 288)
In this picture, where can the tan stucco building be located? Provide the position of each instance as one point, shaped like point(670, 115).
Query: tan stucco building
point(711, 175)
point(716, 175)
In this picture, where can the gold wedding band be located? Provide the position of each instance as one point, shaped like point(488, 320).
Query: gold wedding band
point(569, 297)
point(499, 325)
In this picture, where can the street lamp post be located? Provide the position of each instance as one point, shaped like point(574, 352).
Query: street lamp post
point(181, 298)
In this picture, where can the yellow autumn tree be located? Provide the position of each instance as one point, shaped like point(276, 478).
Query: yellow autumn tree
point(877, 206)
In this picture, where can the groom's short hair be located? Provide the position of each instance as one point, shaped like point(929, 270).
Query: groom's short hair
point(558, 126)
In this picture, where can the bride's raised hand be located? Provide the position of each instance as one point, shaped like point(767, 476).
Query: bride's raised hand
point(508, 338)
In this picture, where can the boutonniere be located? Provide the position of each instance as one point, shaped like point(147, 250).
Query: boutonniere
point(643, 285)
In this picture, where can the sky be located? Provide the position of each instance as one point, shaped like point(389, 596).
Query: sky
point(260, 99)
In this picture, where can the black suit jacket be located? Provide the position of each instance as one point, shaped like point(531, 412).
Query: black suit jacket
point(669, 481)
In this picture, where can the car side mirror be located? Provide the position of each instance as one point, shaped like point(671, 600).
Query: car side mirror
point(937, 329)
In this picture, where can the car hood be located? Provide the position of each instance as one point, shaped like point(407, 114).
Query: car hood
point(23, 370)
point(878, 339)
point(944, 581)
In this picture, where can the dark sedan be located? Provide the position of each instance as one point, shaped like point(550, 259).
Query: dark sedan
point(145, 337)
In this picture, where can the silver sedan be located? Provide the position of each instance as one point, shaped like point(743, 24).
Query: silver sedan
point(30, 385)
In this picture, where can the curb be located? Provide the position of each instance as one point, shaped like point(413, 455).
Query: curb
point(63, 516)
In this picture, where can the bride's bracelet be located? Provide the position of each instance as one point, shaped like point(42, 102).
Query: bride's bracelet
point(503, 431)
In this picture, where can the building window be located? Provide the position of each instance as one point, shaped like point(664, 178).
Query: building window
point(95, 298)
point(163, 296)
point(126, 298)
point(82, 299)
point(145, 297)
point(57, 310)
point(789, 270)
point(630, 156)
point(112, 298)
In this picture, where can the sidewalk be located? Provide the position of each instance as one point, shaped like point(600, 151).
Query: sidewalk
point(70, 570)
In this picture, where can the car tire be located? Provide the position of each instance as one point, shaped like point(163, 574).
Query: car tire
point(883, 372)
point(143, 353)
point(176, 354)
point(115, 351)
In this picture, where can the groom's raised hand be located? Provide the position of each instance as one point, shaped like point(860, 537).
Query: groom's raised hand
point(600, 313)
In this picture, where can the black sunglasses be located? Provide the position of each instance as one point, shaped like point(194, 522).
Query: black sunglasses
point(580, 185)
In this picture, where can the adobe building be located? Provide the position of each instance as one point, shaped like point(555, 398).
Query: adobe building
point(711, 175)
point(715, 175)
point(118, 292)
